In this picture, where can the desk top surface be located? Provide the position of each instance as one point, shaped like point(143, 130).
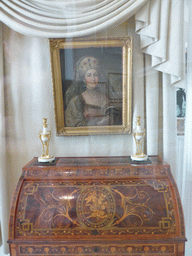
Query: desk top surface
point(97, 161)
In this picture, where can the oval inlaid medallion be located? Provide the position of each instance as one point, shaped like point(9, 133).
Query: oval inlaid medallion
point(96, 207)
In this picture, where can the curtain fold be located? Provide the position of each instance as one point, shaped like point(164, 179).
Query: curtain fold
point(152, 107)
point(169, 124)
point(160, 32)
point(4, 202)
point(186, 174)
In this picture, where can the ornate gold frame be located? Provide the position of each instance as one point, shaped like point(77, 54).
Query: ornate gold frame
point(126, 44)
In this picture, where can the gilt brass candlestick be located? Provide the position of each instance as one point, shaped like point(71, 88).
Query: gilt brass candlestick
point(139, 135)
point(45, 138)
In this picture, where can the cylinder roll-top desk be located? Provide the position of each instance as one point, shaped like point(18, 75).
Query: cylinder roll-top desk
point(97, 206)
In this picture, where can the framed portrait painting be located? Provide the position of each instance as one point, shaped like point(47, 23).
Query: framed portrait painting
point(92, 85)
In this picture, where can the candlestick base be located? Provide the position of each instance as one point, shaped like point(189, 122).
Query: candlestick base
point(46, 159)
point(142, 157)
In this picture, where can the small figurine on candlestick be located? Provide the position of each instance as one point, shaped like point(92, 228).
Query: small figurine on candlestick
point(45, 138)
point(139, 135)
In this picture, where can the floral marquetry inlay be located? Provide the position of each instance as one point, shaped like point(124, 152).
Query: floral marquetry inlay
point(95, 208)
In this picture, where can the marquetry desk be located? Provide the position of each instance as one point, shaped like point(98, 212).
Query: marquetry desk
point(97, 206)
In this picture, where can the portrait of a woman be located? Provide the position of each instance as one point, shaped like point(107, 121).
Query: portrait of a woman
point(86, 101)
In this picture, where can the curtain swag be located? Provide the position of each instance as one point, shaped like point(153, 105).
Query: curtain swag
point(57, 18)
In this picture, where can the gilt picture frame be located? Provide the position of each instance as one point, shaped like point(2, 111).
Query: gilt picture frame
point(92, 85)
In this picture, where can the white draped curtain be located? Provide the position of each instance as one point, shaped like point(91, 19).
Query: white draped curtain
point(159, 26)
point(66, 18)
point(185, 176)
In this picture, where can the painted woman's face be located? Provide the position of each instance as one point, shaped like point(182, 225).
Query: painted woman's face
point(91, 79)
